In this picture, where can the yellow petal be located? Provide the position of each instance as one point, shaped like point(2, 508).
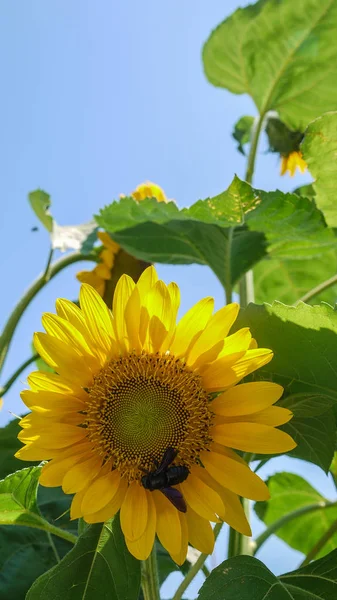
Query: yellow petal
point(216, 329)
point(247, 398)
point(273, 415)
point(33, 452)
point(158, 303)
point(253, 437)
point(38, 380)
point(201, 498)
point(132, 320)
point(52, 474)
point(200, 532)
point(75, 508)
point(107, 241)
point(50, 401)
point(180, 557)
point(81, 474)
point(103, 271)
point(219, 374)
point(158, 333)
point(123, 291)
point(240, 340)
point(56, 436)
point(235, 476)
point(146, 281)
point(110, 509)
point(134, 511)
point(141, 548)
point(100, 492)
point(67, 333)
point(168, 523)
point(91, 278)
point(235, 514)
point(98, 318)
point(191, 325)
point(63, 358)
point(107, 257)
point(251, 361)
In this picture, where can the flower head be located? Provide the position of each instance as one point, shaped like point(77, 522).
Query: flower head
point(131, 384)
point(98, 276)
point(293, 161)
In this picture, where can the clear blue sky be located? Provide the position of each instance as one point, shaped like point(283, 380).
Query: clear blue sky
point(98, 97)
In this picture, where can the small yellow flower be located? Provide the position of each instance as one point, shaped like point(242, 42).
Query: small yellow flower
point(98, 276)
point(291, 162)
point(130, 384)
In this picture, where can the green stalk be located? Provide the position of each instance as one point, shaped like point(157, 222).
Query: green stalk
point(32, 291)
point(17, 373)
point(194, 570)
point(150, 579)
point(299, 512)
point(318, 289)
point(228, 268)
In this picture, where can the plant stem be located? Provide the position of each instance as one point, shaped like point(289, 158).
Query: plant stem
point(26, 299)
point(150, 579)
point(319, 544)
point(17, 373)
point(317, 290)
point(194, 570)
point(228, 268)
point(52, 544)
point(287, 518)
point(246, 285)
point(61, 533)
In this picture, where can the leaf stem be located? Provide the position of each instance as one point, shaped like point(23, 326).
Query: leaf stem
point(320, 544)
point(32, 291)
point(194, 570)
point(17, 373)
point(317, 289)
point(150, 579)
point(52, 544)
point(228, 267)
point(265, 535)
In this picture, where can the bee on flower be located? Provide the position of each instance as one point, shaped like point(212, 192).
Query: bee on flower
point(131, 388)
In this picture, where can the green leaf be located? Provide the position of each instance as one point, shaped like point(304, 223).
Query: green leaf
point(246, 578)
point(319, 150)
point(288, 280)
point(282, 139)
point(296, 79)
point(242, 132)
point(10, 444)
point(40, 203)
point(25, 554)
point(99, 566)
point(303, 340)
point(230, 232)
point(18, 505)
point(291, 492)
point(306, 190)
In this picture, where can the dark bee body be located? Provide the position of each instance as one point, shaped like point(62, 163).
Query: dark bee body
point(165, 476)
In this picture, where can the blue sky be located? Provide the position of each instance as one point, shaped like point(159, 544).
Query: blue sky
point(98, 97)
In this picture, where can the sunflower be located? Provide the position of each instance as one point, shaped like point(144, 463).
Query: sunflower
point(291, 162)
point(131, 384)
point(98, 276)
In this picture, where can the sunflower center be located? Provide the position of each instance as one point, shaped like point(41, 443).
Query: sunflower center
point(139, 405)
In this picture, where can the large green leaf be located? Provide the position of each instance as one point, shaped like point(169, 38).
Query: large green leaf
point(288, 280)
point(290, 492)
point(25, 554)
point(246, 578)
point(230, 233)
point(304, 341)
point(99, 566)
point(9, 444)
point(242, 132)
point(281, 53)
point(18, 504)
point(319, 150)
